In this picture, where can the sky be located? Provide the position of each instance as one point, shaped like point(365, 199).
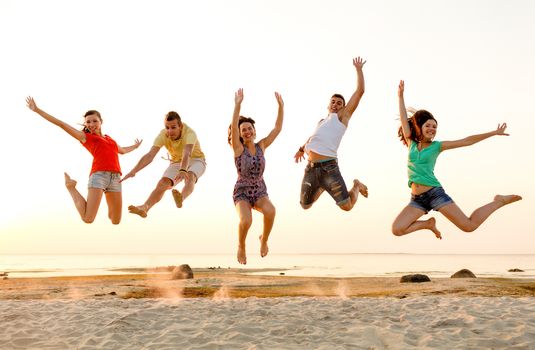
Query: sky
point(468, 62)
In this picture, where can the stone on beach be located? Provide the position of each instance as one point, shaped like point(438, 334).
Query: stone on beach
point(416, 278)
point(515, 270)
point(181, 272)
point(464, 273)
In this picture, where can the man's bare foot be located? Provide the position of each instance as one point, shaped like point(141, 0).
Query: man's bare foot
point(264, 249)
point(242, 259)
point(177, 196)
point(362, 188)
point(69, 183)
point(432, 225)
point(141, 210)
point(504, 200)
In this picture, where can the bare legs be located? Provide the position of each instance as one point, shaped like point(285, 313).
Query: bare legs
point(358, 187)
point(469, 224)
point(189, 186)
point(243, 208)
point(88, 209)
point(406, 222)
point(157, 194)
point(163, 185)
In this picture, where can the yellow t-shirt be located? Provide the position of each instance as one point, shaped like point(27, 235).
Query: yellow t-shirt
point(176, 147)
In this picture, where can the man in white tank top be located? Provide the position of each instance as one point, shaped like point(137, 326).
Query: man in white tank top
point(322, 172)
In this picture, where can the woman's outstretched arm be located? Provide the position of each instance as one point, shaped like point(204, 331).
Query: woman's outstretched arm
point(235, 132)
point(268, 140)
point(77, 134)
point(128, 149)
point(470, 140)
point(405, 128)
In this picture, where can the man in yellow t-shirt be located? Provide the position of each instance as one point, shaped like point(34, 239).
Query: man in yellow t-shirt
point(187, 163)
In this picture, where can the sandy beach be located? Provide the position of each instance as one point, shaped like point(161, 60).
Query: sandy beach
point(227, 309)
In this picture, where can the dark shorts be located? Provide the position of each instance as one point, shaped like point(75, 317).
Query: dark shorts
point(323, 176)
point(434, 199)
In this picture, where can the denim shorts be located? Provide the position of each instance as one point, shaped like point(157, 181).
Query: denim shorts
point(433, 199)
point(106, 180)
point(323, 176)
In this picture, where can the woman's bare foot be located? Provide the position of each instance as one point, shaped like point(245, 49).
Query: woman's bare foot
point(432, 225)
point(504, 200)
point(141, 210)
point(264, 249)
point(69, 183)
point(242, 259)
point(362, 188)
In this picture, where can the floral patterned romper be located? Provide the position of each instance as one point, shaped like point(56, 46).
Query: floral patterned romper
point(250, 185)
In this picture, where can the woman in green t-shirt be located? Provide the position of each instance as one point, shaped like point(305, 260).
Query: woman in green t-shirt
point(417, 133)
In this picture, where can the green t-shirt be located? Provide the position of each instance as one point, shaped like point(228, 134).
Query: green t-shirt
point(421, 164)
point(176, 147)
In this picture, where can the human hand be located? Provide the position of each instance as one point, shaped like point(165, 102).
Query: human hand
point(401, 88)
point(279, 99)
point(138, 143)
point(501, 130)
point(182, 175)
point(358, 62)
point(238, 96)
point(31, 103)
point(299, 156)
point(127, 176)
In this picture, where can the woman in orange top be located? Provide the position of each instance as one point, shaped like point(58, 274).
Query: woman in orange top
point(105, 173)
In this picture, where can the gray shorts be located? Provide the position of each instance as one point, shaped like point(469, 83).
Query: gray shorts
point(105, 180)
point(196, 165)
point(323, 176)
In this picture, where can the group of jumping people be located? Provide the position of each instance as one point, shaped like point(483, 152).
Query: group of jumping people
point(187, 164)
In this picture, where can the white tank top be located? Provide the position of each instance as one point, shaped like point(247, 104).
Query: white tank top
point(327, 137)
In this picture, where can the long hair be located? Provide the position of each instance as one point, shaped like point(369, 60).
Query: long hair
point(416, 121)
point(240, 122)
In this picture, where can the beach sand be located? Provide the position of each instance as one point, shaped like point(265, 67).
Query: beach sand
point(227, 309)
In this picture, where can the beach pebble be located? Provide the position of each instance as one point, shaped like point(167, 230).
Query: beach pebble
point(464, 273)
point(416, 278)
point(182, 272)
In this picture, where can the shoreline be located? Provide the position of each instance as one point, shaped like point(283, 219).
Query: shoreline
point(239, 283)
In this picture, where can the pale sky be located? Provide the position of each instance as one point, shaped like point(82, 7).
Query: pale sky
point(468, 62)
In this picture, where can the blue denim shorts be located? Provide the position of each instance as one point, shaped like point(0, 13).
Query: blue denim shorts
point(105, 180)
point(323, 176)
point(434, 199)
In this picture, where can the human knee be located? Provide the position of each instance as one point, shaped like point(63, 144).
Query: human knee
point(270, 212)
point(164, 184)
point(468, 227)
point(397, 231)
point(88, 220)
point(305, 206)
point(246, 221)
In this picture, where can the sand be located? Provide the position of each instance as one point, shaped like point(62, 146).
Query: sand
point(225, 309)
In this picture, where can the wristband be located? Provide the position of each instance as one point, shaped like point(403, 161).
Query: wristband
point(301, 149)
point(183, 170)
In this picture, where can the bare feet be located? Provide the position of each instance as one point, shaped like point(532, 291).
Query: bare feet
point(242, 259)
point(69, 183)
point(362, 188)
point(141, 210)
point(177, 196)
point(264, 249)
point(504, 200)
point(432, 225)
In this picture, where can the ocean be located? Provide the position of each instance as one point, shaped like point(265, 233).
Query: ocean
point(321, 265)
